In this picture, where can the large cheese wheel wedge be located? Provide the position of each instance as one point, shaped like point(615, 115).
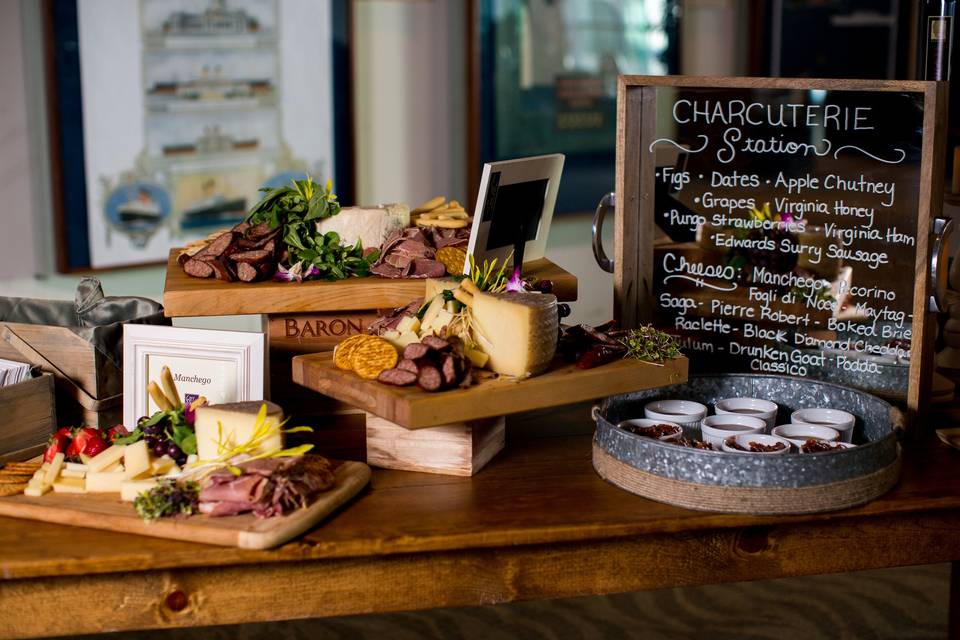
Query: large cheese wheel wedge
point(237, 420)
point(517, 330)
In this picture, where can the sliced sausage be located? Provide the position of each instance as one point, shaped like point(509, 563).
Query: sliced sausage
point(430, 378)
point(415, 350)
point(408, 365)
point(197, 268)
point(251, 256)
point(220, 271)
point(436, 343)
point(449, 370)
point(218, 246)
point(247, 272)
point(259, 231)
point(397, 377)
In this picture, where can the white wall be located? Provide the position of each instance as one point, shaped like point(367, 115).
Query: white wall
point(17, 255)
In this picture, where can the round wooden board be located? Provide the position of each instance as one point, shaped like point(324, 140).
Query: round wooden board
point(746, 500)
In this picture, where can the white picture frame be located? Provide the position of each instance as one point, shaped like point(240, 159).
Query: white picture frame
point(497, 175)
point(223, 366)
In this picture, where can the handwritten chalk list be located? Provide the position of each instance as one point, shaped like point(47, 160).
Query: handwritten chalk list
point(790, 230)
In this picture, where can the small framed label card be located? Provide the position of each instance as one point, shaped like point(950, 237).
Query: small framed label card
point(222, 366)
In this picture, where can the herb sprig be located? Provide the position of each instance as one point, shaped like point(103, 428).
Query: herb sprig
point(169, 498)
point(297, 209)
point(650, 345)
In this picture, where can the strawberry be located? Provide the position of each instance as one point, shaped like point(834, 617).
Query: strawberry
point(58, 442)
point(95, 446)
point(119, 431)
point(81, 437)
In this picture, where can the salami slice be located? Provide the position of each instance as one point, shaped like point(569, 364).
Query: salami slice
point(415, 350)
point(430, 378)
point(397, 377)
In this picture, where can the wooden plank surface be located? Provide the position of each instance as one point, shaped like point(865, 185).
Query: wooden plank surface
point(541, 490)
point(184, 295)
point(106, 511)
point(536, 523)
point(414, 408)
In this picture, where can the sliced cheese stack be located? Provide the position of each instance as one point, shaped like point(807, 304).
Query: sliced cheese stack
point(371, 226)
point(517, 330)
point(237, 420)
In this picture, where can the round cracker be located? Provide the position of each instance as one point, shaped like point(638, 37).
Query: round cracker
point(342, 352)
point(372, 357)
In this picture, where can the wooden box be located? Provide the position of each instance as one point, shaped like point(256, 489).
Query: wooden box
point(29, 417)
point(89, 387)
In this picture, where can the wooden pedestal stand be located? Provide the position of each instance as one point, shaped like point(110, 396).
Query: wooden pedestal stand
point(313, 317)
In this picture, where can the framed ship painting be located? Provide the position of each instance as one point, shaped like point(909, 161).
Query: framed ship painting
point(172, 114)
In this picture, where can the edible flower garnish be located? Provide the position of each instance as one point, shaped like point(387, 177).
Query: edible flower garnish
point(516, 283)
point(169, 498)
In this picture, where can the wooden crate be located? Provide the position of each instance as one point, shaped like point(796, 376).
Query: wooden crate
point(89, 387)
point(29, 417)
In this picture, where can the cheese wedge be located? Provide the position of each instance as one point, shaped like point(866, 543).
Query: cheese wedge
point(517, 330)
point(371, 226)
point(106, 458)
point(136, 460)
point(409, 323)
point(104, 482)
point(237, 420)
point(69, 485)
point(130, 489)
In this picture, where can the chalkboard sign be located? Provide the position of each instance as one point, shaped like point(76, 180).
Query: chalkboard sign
point(782, 226)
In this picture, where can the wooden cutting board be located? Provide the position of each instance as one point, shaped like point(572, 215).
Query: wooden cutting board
point(106, 511)
point(415, 408)
point(185, 295)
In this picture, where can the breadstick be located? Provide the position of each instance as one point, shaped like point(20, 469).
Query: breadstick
point(444, 224)
point(162, 403)
point(170, 388)
point(430, 205)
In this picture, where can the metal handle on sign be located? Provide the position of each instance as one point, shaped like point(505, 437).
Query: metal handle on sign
point(606, 202)
point(942, 229)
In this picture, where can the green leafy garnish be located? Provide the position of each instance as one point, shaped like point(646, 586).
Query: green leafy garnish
point(650, 345)
point(297, 209)
point(168, 498)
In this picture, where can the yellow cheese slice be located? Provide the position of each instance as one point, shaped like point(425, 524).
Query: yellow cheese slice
point(53, 471)
point(130, 489)
point(69, 485)
point(104, 482)
point(136, 460)
point(106, 458)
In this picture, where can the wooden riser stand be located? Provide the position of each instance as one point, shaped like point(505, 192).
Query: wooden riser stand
point(454, 449)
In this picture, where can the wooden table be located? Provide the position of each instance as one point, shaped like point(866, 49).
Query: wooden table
point(537, 523)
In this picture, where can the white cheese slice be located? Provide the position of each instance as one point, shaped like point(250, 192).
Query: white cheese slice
point(237, 420)
point(136, 460)
point(72, 473)
point(370, 225)
point(36, 490)
point(163, 465)
point(130, 489)
point(54, 469)
point(409, 323)
point(74, 466)
point(104, 482)
point(69, 485)
point(107, 457)
point(517, 330)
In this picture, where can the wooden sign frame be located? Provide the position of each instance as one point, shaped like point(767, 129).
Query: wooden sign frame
point(634, 209)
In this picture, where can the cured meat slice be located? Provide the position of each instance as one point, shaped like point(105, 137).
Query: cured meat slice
point(258, 255)
point(408, 365)
point(247, 272)
point(449, 370)
point(436, 343)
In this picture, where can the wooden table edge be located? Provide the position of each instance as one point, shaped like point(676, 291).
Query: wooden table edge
point(183, 597)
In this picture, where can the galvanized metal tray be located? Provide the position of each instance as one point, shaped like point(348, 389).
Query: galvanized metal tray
point(750, 483)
